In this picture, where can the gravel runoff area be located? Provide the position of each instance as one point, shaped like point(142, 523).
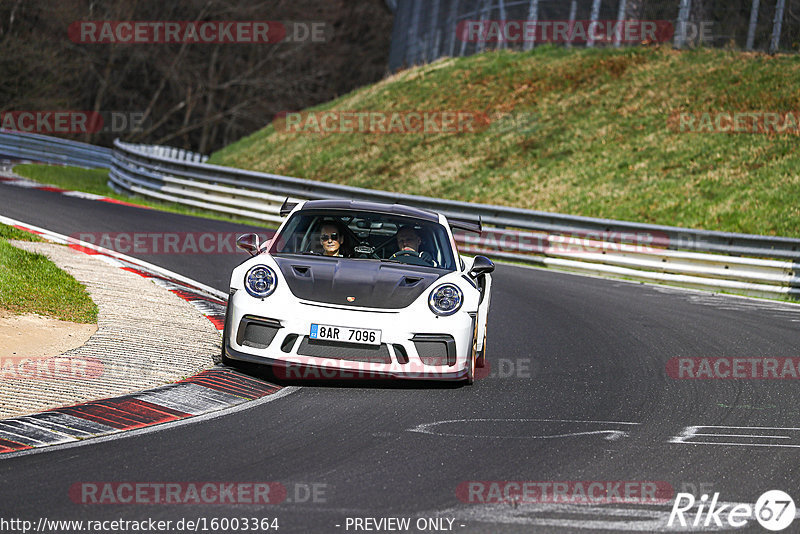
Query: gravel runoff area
point(146, 337)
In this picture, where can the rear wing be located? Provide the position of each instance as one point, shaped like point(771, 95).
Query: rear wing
point(468, 225)
point(287, 207)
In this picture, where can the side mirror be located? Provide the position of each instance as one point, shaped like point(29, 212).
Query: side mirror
point(249, 242)
point(481, 266)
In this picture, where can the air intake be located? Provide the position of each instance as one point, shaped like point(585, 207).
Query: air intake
point(435, 349)
point(342, 351)
point(257, 332)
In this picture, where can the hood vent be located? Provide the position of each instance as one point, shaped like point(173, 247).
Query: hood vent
point(372, 283)
point(302, 270)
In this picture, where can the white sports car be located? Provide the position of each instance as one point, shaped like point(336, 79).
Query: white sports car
point(349, 289)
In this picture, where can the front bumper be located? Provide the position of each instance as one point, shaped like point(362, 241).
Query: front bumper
point(283, 342)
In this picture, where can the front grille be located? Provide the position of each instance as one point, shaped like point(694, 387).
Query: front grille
point(435, 349)
point(344, 351)
point(256, 332)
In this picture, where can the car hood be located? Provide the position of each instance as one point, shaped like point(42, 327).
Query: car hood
point(356, 283)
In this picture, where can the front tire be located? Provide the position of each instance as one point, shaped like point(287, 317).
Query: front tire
point(224, 358)
point(472, 358)
point(480, 361)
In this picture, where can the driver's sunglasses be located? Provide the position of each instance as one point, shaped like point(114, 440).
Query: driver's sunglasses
point(326, 237)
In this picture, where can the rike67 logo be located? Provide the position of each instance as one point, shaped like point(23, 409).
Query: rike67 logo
point(774, 510)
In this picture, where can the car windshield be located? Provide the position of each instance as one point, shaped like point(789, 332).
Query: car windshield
point(366, 236)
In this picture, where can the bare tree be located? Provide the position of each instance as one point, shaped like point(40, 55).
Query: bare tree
point(199, 96)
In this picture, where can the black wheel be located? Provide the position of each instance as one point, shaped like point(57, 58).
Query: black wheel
point(472, 359)
point(224, 358)
point(480, 361)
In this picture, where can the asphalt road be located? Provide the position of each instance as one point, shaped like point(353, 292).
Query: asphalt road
point(577, 391)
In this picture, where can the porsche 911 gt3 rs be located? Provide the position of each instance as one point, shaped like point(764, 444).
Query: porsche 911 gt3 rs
point(352, 289)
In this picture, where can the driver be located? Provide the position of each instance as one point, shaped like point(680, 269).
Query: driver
point(408, 243)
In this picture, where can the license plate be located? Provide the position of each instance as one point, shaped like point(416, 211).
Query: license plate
point(345, 334)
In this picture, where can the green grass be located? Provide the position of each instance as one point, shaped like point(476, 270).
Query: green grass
point(600, 143)
point(73, 178)
point(96, 181)
point(31, 283)
point(9, 232)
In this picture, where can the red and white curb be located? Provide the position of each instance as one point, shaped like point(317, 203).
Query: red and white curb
point(209, 391)
point(30, 184)
point(212, 390)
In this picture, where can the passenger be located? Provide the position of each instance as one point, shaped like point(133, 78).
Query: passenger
point(332, 239)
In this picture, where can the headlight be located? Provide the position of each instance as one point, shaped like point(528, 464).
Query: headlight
point(446, 299)
point(260, 281)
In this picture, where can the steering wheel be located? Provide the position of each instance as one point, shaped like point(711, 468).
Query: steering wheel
point(417, 256)
point(401, 253)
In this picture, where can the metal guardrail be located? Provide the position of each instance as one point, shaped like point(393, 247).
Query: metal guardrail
point(170, 152)
point(752, 264)
point(47, 149)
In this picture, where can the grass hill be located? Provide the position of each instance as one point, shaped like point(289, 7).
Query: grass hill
point(582, 131)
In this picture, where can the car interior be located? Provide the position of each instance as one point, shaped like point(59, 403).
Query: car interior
point(366, 236)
